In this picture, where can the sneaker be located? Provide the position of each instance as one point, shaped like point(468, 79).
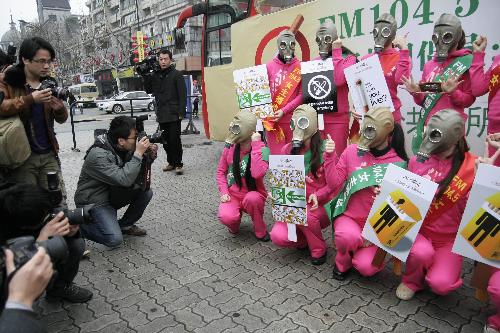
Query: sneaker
point(404, 293)
point(318, 261)
point(134, 231)
point(266, 238)
point(168, 167)
point(338, 275)
point(489, 329)
point(71, 293)
point(179, 171)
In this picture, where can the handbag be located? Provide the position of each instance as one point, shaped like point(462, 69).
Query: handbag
point(14, 145)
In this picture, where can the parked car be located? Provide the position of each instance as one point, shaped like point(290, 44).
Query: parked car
point(121, 102)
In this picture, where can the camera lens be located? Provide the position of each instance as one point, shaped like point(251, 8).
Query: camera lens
point(75, 216)
point(56, 248)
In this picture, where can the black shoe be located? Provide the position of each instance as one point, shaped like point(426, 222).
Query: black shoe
point(71, 293)
point(318, 261)
point(338, 275)
point(134, 231)
point(266, 238)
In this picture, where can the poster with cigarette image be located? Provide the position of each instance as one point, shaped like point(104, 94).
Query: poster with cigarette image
point(478, 236)
point(367, 85)
point(398, 211)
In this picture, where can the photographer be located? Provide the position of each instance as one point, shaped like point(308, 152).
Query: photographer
point(169, 89)
point(37, 109)
point(24, 211)
point(27, 283)
point(111, 178)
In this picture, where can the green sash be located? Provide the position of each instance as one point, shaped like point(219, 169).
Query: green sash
point(243, 166)
point(358, 180)
point(456, 68)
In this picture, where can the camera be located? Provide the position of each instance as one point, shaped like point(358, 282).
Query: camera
point(24, 248)
point(148, 65)
point(75, 216)
point(139, 126)
point(57, 92)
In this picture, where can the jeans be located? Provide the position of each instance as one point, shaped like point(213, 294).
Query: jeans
point(172, 142)
point(106, 229)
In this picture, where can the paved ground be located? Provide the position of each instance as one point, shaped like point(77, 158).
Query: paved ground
point(190, 275)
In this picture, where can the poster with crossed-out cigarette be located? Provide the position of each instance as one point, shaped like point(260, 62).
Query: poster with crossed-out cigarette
point(398, 211)
point(318, 88)
point(478, 236)
point(367, 85)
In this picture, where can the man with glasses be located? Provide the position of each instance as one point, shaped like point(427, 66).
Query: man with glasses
point(37, 109)
point(110, 179)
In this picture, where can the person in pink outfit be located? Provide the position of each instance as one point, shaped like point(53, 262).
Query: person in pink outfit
point(493, 325)
point(240, 176)
point(448, 70)
point(336, 124)
point(394, 57)
point(381, 142)
point(285, 83)
point(487, 82)
point(443, 157)
point(307, 141)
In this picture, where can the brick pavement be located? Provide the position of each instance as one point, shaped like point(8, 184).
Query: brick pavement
point(190, 275)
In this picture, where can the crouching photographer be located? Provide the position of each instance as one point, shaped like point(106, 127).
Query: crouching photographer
point(116, 173)
point(27, 211)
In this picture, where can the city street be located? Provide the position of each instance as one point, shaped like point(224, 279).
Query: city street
point(189, 274)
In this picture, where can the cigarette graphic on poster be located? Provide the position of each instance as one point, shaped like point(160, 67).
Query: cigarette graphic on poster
point(398, 211)
point(478, 236)
point(288, 190)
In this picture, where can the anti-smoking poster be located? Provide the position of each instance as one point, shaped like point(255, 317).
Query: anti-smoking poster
point(398, 211)
point(253, 92)
point(318, 88)
point(367, 85)
point(478, 236)
point(288, 190)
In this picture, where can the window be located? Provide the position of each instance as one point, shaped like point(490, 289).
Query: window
point(88, 89)
point(218, 47)
point(141, 94)
point(269, 6)
point(52, 18)
point(127, 3)
point(128, 18)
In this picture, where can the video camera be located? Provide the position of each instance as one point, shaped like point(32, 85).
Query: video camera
point(148, 65)
point(75, 216)
point(139, 126)
point(57, 92)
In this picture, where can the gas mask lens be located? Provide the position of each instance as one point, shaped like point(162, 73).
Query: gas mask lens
point(303, 123)
point(447, 37)
point(370, 132)
point(327, 39)
point(283, 45)
point(235, 128)
point(435, 135)
point(375, 32)
point(386, 32)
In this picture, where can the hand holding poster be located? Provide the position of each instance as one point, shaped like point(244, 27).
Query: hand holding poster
point(288, 189)
point(398, 211)
point(478, 236)
point(252, 89)
point(367, 85)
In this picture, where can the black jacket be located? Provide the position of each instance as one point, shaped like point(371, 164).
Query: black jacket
point(169, 90)
point(20, 321)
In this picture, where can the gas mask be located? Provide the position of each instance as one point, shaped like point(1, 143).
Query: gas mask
point(304, 124)
point(378, 124)
point(326, 34)
point(384, 31)
point(286, 45)
point(443, 131)
point(447, 33)
point(241, 128)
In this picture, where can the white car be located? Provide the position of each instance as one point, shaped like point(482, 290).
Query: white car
point(121, 102)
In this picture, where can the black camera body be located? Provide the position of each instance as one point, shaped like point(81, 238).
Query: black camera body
point(148, 65)
point(139, 126)
point(57, 92)
point(75, 216)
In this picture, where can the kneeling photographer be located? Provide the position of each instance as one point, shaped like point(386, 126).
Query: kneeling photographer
point(31, 212)
point(116, 172)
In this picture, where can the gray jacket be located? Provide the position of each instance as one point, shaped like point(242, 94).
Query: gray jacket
point(100, 171)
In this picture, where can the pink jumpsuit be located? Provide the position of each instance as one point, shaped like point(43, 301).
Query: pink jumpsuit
point(394, 75)
point(480, 86)
point(348, 226)
point(430, 259)
point(458, 100)
point(494, 291)
point(310, 235)
point(251, 202)
point(277, 71)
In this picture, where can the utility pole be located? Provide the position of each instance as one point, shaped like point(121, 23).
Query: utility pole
point(137, 14)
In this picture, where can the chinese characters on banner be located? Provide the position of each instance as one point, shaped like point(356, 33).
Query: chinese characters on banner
point(478, 236)
point(398, 211)
point(367, 85)
point(288, 189)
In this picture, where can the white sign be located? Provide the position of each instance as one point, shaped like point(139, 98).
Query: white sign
point(252, 90)
point(478, 236)
point(398, 211)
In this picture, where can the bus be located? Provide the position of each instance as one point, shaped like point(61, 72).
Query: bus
point(242, 33)
point(86, 92)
